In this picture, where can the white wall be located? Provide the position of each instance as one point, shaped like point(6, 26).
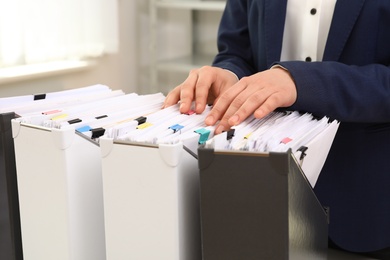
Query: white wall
point(118, 71)
point(129, 68)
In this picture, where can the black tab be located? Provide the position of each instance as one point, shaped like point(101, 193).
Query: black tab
point(74, 121)
point(39, 96)
point(230, 134)
point(97, 132)
point(141, 120)
point(100, 117)
point(302, 149)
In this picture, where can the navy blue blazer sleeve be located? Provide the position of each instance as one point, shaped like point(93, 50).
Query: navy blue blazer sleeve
point(351, 84)
point(234, 40)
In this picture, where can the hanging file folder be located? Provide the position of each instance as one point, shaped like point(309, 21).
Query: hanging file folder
point(151, 201)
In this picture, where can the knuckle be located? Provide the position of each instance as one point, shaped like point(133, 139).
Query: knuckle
point(217, 111)
point(206, 67)
point(238, 101)
point(245, 80)
point(193, 71)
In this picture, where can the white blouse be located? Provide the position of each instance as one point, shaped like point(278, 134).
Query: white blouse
point(306, 29)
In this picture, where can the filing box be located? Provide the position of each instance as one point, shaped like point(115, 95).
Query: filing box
point(10, 236)
point(151, 201)
point(258, 206)
point(60, 193)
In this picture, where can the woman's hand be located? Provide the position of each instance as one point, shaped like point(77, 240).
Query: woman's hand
point(260, 94)
point(203, 86)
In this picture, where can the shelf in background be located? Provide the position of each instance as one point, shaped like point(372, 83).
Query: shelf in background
point(185, 64)
point(192, 5)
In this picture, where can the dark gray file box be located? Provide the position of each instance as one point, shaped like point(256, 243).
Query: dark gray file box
point(258, 206)
point(10, 234)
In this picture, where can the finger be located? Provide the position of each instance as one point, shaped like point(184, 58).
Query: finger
point(269, 105)
point(239, 109)
point(187, 89)
point(206, 78)
point(246, 104)
point(172, 98)
point(223, 103)
point(243, 105)
point(222, 126)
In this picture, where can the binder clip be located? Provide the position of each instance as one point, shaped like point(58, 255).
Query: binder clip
point(51, 112)
point(74, 121)
point(100, 117)
point(190, 112)
point(303, 150)
point(230, 134)
point(176, 127)
point(97, 132)
point(83, 129)
point(141, 120)
point(204, 135)
point(39, 96)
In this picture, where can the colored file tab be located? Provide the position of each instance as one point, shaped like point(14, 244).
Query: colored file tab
point(247, 136)
point(176, 127)
point(144, 125)
point(51, 112)
point(84, 129)
point(59, 117)
point(141, 120)
point(39, 96)
point(74, 121)
point(97, 132)
point(204, 135)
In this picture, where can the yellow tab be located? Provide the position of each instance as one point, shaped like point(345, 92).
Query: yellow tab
point(144, 125)
point(59, 117)
point(247, 136)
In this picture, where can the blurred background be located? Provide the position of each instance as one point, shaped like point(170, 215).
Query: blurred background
point(142, 46)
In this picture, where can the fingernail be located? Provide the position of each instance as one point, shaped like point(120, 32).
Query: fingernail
point(181, 106)
point(234, 120)
point(219, 129)
point(197, 107)
point(209, 120)
point(259, 113)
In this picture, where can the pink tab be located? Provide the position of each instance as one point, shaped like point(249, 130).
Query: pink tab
point(286, 140)
point(51, 112)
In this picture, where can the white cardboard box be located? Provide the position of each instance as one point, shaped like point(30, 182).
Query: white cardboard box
point(60, 194)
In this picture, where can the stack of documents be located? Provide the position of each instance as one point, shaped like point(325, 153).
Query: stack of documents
point(43, 102)
point(308, 138)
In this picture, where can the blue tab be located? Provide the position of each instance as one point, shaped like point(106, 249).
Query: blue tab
point(84, 129)
point(204, 135)
point(176, 127)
